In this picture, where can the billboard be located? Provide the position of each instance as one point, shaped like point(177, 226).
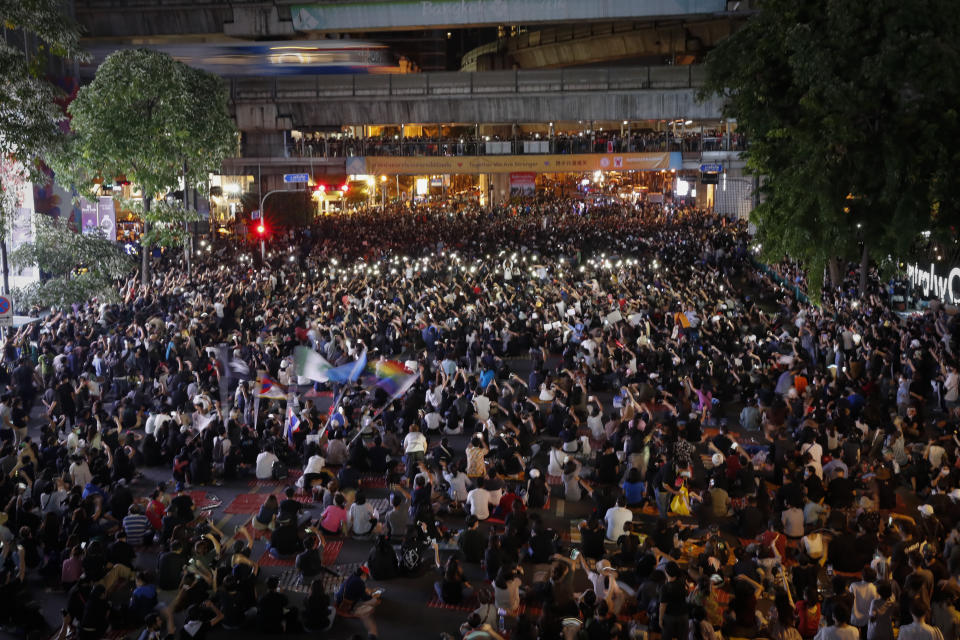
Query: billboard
point(548, 163)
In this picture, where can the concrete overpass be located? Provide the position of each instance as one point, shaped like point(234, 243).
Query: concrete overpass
point(278, 18)
point(596, 43)
point(492, 97)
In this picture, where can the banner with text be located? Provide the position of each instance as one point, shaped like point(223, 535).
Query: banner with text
point(586, 162)
point(523, 184)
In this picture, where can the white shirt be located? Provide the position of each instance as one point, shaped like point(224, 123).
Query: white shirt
point(482, 405)
point(314, 464)
point(359, 517)
point(458, 485)
point(919, 631)
point(863, 595)
point(479, 502)
point(80, 474)
point(414, 442)
point(555, 462)
point(265, 465)
point(935, 455)
point(617, 517)
point(226, 444)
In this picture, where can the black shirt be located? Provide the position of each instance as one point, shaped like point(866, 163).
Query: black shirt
point(840, 493)
point(169, 569)
point(542, 547)
point(270, 611)
point(285, 541)
point(472, 543)
point(674, 596)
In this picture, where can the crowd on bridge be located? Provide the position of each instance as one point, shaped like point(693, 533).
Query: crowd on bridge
point(585, 425)
point(315, 145)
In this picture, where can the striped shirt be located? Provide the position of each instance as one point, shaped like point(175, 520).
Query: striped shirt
point(136, 526)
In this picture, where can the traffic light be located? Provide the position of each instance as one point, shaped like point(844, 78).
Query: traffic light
point(320, 188)
point(344, 187)
point(261, 230)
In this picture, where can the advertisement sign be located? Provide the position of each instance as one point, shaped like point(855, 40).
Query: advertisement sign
point(88, 216)
point(551, 163)
point(107, 218)
point(943, 288)
point(523, 183)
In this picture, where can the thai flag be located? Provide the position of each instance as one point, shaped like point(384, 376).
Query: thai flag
point(293, 423)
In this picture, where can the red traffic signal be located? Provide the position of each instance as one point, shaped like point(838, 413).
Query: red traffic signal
point(261, 229)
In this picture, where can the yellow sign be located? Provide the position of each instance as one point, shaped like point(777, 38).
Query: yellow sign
point(582, 163)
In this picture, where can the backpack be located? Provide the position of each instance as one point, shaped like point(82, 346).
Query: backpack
point(279, 471)
point(411, 556)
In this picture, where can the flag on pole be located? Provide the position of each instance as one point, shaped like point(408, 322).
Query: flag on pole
point(350, 371)
point(392, 376)
point(292, 422)
point(311, 365)
point(269, 388)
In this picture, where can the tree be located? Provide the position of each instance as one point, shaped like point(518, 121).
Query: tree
point(30, 118)
point(155, 121)
point(76, 267)
point(850, 109)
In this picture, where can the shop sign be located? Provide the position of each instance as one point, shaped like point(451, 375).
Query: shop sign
point(946, 289)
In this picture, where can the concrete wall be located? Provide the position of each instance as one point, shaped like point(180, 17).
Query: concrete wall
point(272, 18)
point(650, 105)
point(493, 97)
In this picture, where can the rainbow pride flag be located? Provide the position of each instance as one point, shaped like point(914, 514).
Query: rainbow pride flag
point(391, 376)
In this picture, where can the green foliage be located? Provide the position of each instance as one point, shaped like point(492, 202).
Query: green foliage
point(150, 119)
point(80, 267)
point(851, 113)
point(30, 119)
point(168, 223)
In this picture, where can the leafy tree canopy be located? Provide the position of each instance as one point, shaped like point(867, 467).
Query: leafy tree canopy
point(851, 109)
point(150, 119)
point(77, 267)
point(30, 119)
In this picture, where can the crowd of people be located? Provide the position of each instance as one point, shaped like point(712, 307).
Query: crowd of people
point(618, 426)
point(562, 142)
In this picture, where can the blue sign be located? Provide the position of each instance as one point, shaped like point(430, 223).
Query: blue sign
point(296, 177)
point(255, 214)
point(711, 168)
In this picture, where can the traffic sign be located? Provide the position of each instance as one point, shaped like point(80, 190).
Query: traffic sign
point(296, 177)
point(6, 311)
point(711, 168)
point(255, 214)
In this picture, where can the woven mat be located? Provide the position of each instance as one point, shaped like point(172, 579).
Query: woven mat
point(291, 479)
point(291, 580)
point(373, 481)
point(203, 500)
point(331, 551)
point(250, 503)
point(468, 606)
point(269, 560)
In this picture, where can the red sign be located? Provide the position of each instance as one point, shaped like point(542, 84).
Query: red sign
point(523, 183)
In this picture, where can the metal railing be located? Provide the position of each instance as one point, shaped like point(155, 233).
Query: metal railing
point(476, 83)
point(693, 145)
